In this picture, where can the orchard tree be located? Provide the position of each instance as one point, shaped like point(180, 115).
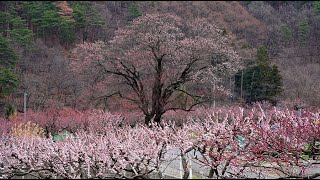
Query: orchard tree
point(229, 142)
point(153, 57)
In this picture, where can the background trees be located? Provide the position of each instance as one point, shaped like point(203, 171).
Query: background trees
point(134, 11)
point(62, 19)
point(261, 81)
point(154, 56)
point(292, 43)
point(8, 77)
point(35, 30)
point(87, 20)
point(289, 30)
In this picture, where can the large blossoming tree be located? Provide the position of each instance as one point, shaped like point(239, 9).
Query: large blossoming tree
point(154, 57)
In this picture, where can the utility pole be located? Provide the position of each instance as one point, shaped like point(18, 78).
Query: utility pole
point(234, 86)
point(181, 168)
point(25, 104)
point(214, 84)
point(251, 86)
point(190, 169)
point(230, 88)
point(214, 96)
point(241, 84)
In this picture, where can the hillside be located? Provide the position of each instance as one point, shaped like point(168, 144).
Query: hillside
point(43, 33)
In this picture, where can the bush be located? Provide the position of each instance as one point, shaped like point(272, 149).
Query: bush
point(10, 111)
point(28, 129)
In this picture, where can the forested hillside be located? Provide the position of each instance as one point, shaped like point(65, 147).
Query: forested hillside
point(38, 38)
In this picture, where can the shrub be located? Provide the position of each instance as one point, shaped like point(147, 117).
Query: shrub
point(28, 129)
point(10, 111)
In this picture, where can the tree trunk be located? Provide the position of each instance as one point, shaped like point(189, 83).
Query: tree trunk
point(185, 167)
point(212, 172)
point(157, 102)
point(148, 119)
point(157, 118)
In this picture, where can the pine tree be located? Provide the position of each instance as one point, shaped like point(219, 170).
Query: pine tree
point(50, 22)
point(8, 57)
point(134, 11)
point(303, 31)
point(286, 33)
point(261, 81)
point(316, 6)
point(8, 80)
point(34, 11)
point(263, 57)
point(67, 30)
point(86, 18)
point(20, 34)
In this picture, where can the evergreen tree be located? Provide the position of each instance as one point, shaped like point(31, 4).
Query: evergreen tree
point(14, 28)
point(20, 34)
point(79, 14)
point(4, 23)
point(316, 6)
point(67, 30)
point(8, 58)
point(8, 80)
point(303, 32)
point(261, 81)
point(50, 21)
point(34, 11)
point(46, 18)
point(86, 18)
point(275, 82)
point(134, 11)
point(262, 56)
point(286, 33)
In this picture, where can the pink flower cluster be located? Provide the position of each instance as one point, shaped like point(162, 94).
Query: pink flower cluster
point(230, 142)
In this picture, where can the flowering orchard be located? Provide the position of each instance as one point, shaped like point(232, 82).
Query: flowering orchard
point(229, 142)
